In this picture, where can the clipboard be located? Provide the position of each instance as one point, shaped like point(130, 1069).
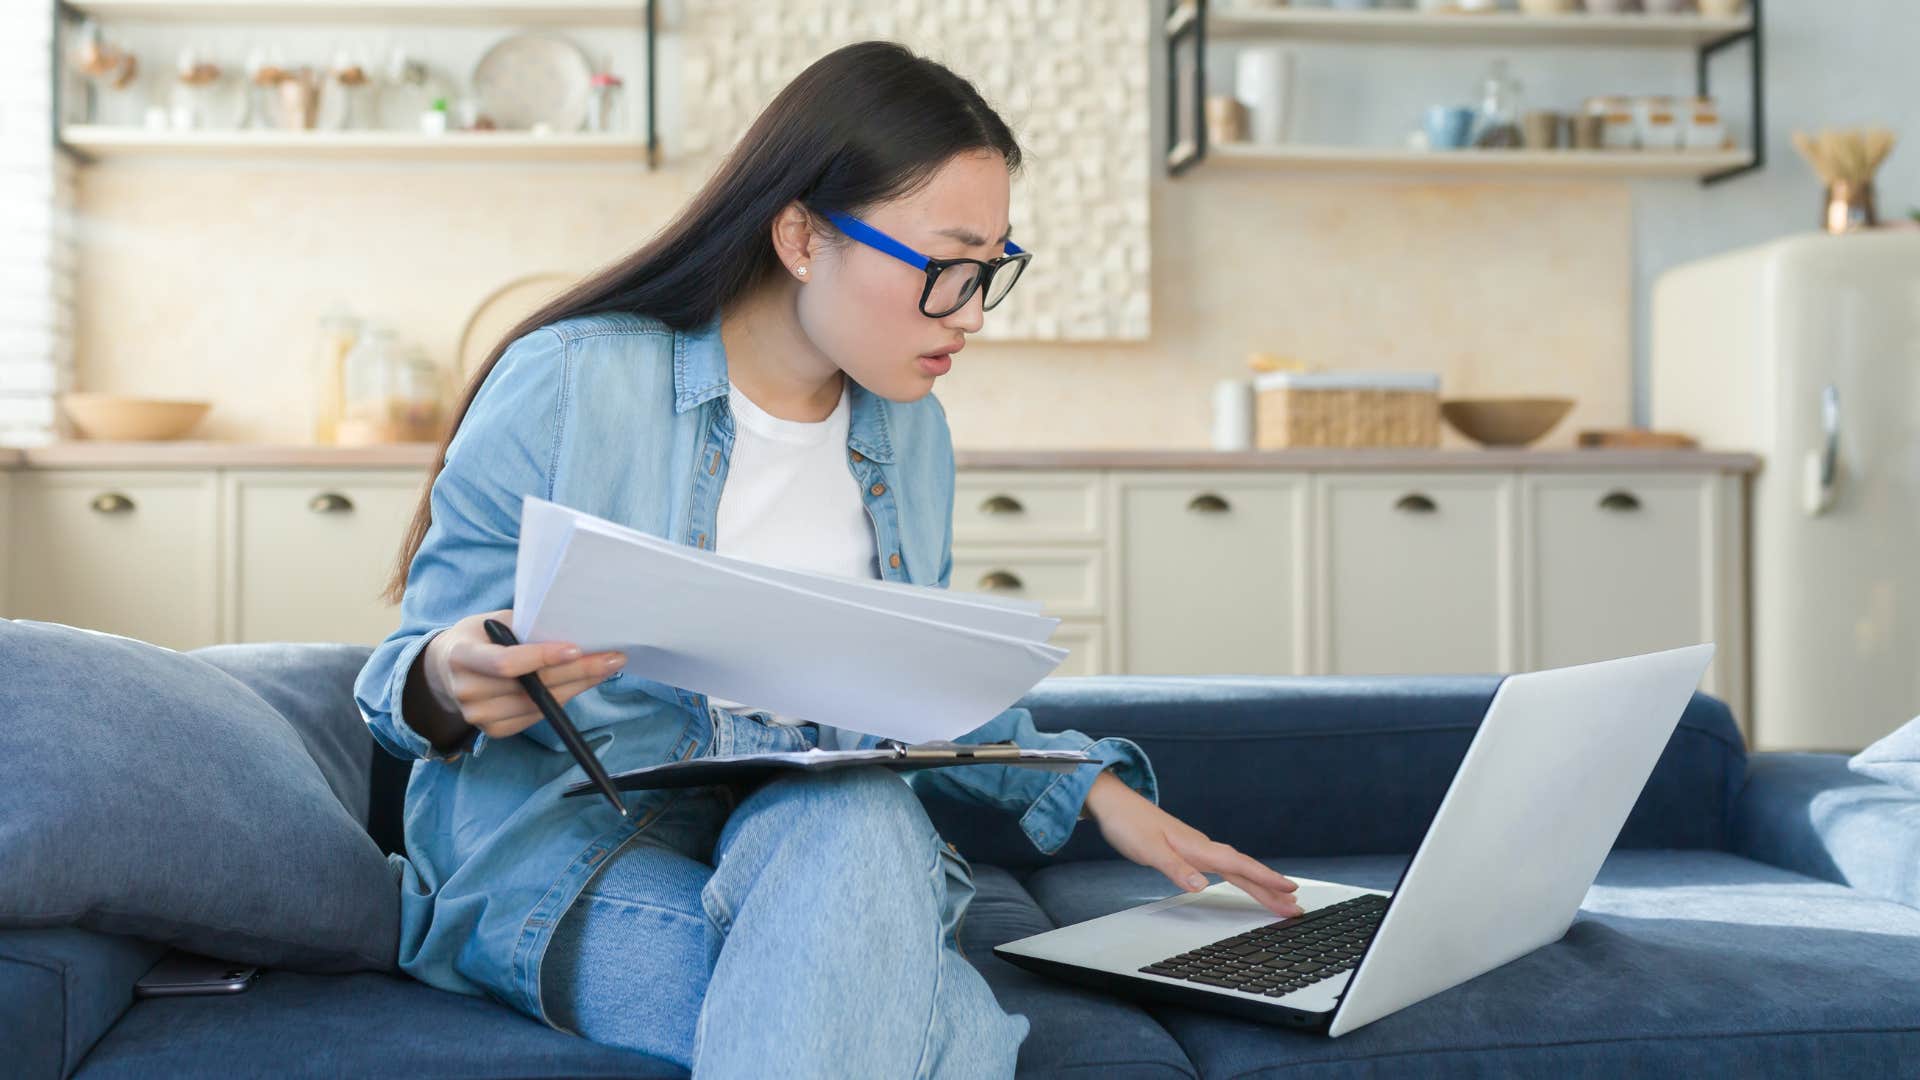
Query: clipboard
point(891, 754)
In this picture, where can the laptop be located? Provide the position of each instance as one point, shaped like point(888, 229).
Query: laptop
point(1533, 810)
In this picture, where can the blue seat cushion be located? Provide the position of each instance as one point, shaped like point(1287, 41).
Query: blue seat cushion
point(1073, 1030)
point(1680, 963)
point(380, 1025)
point(364, 1024)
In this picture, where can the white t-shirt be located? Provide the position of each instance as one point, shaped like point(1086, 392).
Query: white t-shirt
point(791, 499)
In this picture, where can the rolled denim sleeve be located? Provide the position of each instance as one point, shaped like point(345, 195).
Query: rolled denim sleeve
point(505, 449)
point(1048, 803)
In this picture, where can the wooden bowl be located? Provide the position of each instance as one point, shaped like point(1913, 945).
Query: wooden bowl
point(112, 416)
point(1504, 421)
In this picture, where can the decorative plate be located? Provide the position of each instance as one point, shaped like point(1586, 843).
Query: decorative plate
point(529, 79)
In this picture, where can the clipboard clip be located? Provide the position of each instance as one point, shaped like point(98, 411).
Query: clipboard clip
point(944, 748)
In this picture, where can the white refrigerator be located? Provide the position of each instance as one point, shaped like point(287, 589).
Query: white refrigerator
point(1807, 351)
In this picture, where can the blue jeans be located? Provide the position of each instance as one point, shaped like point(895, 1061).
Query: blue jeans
point(802, 927)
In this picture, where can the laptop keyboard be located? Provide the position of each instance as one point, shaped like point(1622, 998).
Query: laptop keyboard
point(1282, 957)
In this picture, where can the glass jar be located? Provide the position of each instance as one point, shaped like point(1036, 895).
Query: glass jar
point(1618, 130)
point(393, 393)
point(1497, 124)
point(1704, 128)
point(1656, 126)
point(339, 330)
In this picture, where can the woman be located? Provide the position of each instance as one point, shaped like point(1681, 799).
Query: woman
point(755, 380)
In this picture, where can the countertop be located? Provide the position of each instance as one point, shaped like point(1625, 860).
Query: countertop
point(206, 454)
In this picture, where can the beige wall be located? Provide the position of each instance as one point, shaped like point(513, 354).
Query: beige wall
point(208, 281)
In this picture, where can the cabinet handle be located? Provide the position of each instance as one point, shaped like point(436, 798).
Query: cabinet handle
point(1620, 501)
point(1416, 503)
point(330, 502)
point(112, 502)
point(998, 581)
point(1208, 503)
point(1002, 504)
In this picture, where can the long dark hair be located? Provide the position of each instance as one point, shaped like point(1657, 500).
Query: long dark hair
point(863, 124)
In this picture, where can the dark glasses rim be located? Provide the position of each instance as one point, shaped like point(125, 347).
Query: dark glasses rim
point(983, 284)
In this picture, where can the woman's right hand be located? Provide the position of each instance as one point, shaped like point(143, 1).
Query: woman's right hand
point(476, 680)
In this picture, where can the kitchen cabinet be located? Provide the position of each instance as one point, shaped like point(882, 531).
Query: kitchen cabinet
point(1413, 573)
point(1040, 535)
point(311, 552)
point(1069, 581)
point(1476, 564)
point(1615, 564)
point(130, 552)
point(1086, 641)
point(1213, 573)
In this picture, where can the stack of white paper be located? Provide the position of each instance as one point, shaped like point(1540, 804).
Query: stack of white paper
point(889, 658)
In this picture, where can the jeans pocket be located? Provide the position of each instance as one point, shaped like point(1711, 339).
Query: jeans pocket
point(957, 889)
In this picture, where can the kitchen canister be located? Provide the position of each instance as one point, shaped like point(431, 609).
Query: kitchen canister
point(1263, 81)
point(1233, 414)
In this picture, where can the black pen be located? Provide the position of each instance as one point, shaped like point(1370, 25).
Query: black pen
point(557, 716)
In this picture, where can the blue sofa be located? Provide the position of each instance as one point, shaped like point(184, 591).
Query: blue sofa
point(1760, 915)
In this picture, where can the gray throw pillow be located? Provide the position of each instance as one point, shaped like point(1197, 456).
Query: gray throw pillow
point(311, 684)
point(146, 792)
point(1894, 759)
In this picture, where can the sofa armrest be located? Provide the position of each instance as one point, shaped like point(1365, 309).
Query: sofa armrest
point(61, 988)
point(1810, 814)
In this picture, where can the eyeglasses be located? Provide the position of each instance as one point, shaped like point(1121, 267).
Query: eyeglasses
point(950, 282)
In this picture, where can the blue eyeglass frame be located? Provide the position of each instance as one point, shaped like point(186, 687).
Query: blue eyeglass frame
point(982, 284)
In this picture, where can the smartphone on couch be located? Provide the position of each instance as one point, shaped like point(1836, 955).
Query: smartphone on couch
point(180, 973)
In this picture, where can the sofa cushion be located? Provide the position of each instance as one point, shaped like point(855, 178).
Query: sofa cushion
point(298, 1025)
point(1894, 759)
point(1072, 1031)
point(146, 792)
point(366, 1024)
point(311, 685)
point(1679, 964)
point(1335, 765)
point(60, 989)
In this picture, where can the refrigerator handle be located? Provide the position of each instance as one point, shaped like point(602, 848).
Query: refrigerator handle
point(1823, 465)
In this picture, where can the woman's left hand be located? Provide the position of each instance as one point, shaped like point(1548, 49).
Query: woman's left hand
point(1152, 837)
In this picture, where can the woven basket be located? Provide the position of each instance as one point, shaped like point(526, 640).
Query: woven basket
point(1346, 410)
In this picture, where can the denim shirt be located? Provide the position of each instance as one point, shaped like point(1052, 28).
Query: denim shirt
point(625, 418)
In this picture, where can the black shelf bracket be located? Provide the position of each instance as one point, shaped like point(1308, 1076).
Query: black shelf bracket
point(653, 82)
point(1185, 24)
point(1185, 27)
point(1758, 91)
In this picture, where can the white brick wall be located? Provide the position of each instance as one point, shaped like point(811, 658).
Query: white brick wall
point(1070, 78)
point(36, 234)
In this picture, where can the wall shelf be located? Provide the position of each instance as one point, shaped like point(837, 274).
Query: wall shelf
point(1189, 26)
point(1490, 28)
point(91, 143)
point(1572, 164)
point(115, 143)
point(544, 12)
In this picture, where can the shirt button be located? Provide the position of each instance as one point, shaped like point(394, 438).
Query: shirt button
point(893, 560)
point(857, 457)
point(878, 489)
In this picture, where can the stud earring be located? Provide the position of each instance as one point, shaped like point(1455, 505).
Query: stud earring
point(802, 271)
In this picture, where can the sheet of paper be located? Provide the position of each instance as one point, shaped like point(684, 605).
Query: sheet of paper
point(690, 618)
point(1001, 615)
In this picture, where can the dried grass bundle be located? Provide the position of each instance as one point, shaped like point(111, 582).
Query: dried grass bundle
point(1845, 155)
